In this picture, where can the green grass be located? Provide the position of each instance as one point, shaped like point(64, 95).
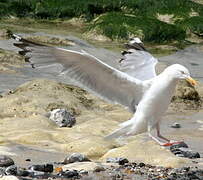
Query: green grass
point(117, 19)
point(121, 26)
point(91, 8)
point(192, 24)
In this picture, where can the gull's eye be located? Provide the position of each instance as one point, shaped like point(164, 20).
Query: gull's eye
point(182, 72)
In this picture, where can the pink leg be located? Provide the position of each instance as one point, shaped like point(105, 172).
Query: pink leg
point(153, 137)
point(159, 134)
point(156, 139)
point(169, 142)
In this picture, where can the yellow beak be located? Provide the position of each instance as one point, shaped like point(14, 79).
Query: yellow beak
point(191, 81)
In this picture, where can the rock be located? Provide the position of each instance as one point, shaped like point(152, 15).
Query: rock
point(75, 157)
point(62, 117)
point(120, 161)
point(5, 161)
point(182, 150)
point(11, 170)
point(176, 125)
point(141, 164)
point(186, 91)
point(99, 168)
point(69, 174)
point(189, 153)
point(186, 97)
point(23, 172)
point(44, 168)
point(83, 172)
point(34, 174)
point(175, 146)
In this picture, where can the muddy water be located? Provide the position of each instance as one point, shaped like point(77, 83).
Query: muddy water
point(40, 141)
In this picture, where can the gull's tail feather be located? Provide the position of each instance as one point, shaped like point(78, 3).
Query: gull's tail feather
point(123, 131)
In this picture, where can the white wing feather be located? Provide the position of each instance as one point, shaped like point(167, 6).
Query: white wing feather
point(137, 62)
point(88, 71)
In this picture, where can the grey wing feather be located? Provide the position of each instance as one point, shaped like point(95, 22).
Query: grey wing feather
point(137, 62)
point(88, 71)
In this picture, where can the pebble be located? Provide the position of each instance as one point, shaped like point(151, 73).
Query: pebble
point(141, 164)
point(22, 172)
point(135, 170)
point(69, 174)
point(120, 161)
point(175, 146)
point(75, 157)
point(5, 161)
point(62, 117)
point(99, 169)
point(36, 173)
point(83, 172)
point(176, 125)
point(44, 168)
point(11, 170)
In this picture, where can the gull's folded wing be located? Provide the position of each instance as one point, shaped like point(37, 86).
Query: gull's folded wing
point(137, 62)
point(90, 72)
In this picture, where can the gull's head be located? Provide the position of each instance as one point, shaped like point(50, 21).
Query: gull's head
point(178, 71)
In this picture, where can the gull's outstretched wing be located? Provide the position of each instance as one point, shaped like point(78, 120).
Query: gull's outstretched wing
point(137, 62)
point(90, 72)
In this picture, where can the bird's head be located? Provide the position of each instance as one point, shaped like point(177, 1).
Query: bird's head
point(178, 71)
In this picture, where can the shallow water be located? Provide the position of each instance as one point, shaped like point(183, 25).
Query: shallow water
point(191, 57)
point(191, 131)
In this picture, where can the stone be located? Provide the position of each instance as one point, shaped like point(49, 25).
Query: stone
point(23, 172)
point(189, 153)
point(33, 173)
point(44, 168)
point(120, 161)
point(69, 174)
point(75, 157)
point(6, 161)
point(185, 91)
point(62, 117)
point(175, 146)
point(141, 164)
point(176, 125)
point(11, 170)
point(83, 172)
point(99, 168)
point(182, 150)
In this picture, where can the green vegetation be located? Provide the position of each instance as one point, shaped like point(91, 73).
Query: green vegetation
point(121, 26)
point(118, 19)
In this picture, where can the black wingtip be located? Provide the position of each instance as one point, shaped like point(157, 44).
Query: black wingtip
point(135, 43)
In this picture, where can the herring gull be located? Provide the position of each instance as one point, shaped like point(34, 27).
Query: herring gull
point(135, 85)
